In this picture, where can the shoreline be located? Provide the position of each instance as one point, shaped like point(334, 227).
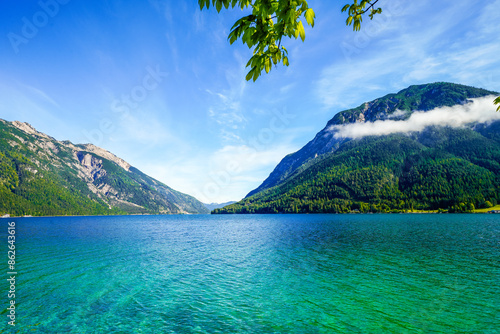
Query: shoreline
point(124, 215)
point(479, 211)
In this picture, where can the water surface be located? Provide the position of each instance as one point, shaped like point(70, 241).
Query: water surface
point(257, 274)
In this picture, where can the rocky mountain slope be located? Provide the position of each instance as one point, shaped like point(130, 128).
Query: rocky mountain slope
point(444, 158)
point(42, 176)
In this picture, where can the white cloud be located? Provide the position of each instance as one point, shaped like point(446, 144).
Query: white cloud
point(486, 22)
point(480, 110)
point(336, 85)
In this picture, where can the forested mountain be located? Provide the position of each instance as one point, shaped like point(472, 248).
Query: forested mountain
point(42, 176)
point(454, 167)
point(421, 97)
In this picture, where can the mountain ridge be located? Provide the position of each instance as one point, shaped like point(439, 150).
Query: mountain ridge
point(40, 175)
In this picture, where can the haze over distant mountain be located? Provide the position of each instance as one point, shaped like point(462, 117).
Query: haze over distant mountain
point(426, 147)
point(213, 206)
point(40, 175)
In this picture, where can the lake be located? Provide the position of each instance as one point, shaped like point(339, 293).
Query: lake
point(397, 273)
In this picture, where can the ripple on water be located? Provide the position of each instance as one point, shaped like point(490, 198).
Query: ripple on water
point(259, 274)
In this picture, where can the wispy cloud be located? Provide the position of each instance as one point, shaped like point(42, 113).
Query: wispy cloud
point(341, 85)
point(485, 23)
point(227, 111)
point(41, 95)
point(480, 110)
point(435, 48)
point(26, 103)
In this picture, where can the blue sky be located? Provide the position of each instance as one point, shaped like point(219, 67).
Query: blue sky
point(157, 83)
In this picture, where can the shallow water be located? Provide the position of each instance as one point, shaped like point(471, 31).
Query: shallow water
point(256, 274)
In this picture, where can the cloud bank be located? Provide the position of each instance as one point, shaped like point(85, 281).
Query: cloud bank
point(480, 110)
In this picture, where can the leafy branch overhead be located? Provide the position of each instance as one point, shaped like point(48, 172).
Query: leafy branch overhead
point(271, 20)
point(264, 29)
point(356, 11)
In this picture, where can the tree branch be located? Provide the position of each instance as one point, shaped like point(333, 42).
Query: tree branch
point(369, 7)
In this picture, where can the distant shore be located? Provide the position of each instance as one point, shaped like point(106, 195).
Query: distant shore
point(482, 211)
point(7, 216)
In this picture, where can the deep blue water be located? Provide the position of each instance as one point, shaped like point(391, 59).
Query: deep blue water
point(408, 273)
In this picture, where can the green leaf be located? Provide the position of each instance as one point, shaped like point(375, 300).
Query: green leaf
point(249, 75)
point(275, 57)
point(309, 15)
point(204, 3)
point(256, 73)
point(232, 38)
point(249, 62)
point(301, 30)
point(497, 101)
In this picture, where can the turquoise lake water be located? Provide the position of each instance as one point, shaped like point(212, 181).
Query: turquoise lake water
point(407, 273)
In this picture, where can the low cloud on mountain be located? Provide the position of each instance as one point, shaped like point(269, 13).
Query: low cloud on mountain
point(480, 110)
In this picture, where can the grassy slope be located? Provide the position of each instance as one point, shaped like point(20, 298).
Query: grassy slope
point(484, 210)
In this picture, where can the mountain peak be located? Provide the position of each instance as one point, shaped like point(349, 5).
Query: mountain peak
point(106, 154)
point(29, 129)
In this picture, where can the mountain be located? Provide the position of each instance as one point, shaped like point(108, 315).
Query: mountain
point(421, 97)
point(40, 175)
point(213, 206)
point(416, 149)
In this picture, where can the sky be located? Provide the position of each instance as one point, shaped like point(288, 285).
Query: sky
point(158, 84)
